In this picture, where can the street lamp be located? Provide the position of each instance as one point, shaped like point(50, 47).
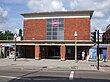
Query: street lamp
point(15, 36)
point(76, 35)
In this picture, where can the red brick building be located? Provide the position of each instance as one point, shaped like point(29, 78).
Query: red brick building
point(106, 35)
point(52, 33)
point(106, 39)
point(35, 24)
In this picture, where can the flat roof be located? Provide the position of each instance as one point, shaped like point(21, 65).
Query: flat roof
point(90, 12)
point(48, 42)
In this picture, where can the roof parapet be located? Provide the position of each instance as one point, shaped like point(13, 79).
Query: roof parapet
point(90, 12)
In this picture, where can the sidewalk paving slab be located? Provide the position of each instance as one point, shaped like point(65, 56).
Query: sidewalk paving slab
point(48, 64)
point(105, 66)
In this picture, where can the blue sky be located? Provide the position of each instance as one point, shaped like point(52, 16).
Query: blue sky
point(10, 18)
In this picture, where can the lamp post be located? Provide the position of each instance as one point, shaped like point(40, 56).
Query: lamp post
point(15, 36)
point(75, 35)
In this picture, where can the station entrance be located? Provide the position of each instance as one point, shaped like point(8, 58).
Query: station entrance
point(50, 52)
point(81, 49)
point(26, 51)
point(70, 52)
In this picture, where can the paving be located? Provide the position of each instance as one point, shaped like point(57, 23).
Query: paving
point(24, 70)
point(52, 64)
point(49, 64)
point(105, 66)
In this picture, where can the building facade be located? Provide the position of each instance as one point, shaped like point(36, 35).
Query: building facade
point(106, 39)
point(106, 35)
point(54, 33)
point(57, 25)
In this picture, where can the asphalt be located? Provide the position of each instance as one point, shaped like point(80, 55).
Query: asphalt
point(52, 76)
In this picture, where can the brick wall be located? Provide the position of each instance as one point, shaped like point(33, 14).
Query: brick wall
point(62, 52)
point(108, 51)
point(35, 29)
point(81, 25)
point(37, 52)
point(0, 45)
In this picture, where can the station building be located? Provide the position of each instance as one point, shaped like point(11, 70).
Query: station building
point(54, 35)
point(106, 39)
point(51, 34)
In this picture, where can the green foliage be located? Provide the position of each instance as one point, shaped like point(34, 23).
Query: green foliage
point(20, 32)
point(6, 36)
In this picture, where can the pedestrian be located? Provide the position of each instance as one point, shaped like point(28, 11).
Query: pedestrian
point(83, 55)
point(104, 58)
point(2, 54)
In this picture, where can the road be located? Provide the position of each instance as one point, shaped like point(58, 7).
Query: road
point(41, 75)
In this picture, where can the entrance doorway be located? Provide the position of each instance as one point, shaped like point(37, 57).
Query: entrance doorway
point(26, 51)
point(70, 50)
point(85, 49)
point(50, 52)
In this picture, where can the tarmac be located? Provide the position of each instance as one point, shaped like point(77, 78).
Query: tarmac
point(52, 64)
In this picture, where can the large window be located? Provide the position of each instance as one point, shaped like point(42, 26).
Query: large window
point(55, 29)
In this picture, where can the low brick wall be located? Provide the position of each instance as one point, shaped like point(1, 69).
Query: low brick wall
point(0, 45)
point(108, 51)
point(62, 52)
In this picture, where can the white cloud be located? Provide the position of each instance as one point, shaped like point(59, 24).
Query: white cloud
point(3, 17)
point(14, 1)
point(16, 31)
point(5, 24)
point(98, 14)
point(101, 7)
point(101, 17)
point(3, 12)
point(98, 23)
point(11, 27)
point(108, 20)
point(46, 5)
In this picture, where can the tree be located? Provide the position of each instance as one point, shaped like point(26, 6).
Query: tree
point(8, 35)
point(1, 35)
point(20, 33)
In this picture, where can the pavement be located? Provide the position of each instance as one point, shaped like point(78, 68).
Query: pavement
point(53, 64)
point(29, 70)
point(105, 66)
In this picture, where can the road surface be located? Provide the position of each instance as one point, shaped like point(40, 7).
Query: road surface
point(41, 75)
